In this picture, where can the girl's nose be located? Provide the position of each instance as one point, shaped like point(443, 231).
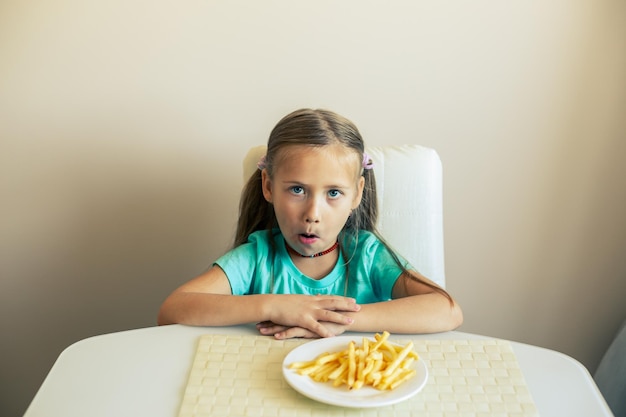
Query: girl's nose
point(312, 213)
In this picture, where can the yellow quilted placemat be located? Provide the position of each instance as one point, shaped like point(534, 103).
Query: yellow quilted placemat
point(242, 375)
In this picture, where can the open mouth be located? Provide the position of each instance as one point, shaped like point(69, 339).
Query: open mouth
point(307, 238)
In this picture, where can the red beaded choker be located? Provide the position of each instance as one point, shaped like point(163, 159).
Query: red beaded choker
point(329, 250)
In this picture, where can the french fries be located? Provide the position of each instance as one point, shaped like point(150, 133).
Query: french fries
point(377, 363)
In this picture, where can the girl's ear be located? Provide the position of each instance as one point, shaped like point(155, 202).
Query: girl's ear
point(359, 192)
point(266, 185)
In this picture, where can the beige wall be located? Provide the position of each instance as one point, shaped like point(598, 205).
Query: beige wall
point(123, 125)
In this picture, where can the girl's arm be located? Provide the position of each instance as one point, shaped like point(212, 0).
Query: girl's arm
point(207, 301)
point(415, 308)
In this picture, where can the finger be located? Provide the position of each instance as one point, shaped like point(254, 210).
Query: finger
point(333, 317)
point(272, 329)
point(309, 325)
point(294, 332)
point(339, 304)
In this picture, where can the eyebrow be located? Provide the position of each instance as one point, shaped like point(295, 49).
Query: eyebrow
point(293, 182)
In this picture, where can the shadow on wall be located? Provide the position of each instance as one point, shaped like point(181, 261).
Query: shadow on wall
point(96, 243)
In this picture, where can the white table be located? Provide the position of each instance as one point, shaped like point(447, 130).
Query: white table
point(144, 373)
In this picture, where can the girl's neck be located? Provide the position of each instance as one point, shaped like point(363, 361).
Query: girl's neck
point(316, 255)
point(315, 267)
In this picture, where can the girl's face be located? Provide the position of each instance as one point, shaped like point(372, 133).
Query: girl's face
point(313, 191)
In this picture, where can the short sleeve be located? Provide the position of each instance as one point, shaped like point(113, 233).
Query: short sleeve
point(241, 264)
point(375, 269)
point(384, 271)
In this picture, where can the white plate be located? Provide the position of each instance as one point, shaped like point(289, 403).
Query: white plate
point(365, 397)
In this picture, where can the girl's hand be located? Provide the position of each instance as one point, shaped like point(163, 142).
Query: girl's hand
point(284, 332)
point(308, 312)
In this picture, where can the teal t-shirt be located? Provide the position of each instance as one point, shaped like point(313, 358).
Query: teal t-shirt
point(262, 267)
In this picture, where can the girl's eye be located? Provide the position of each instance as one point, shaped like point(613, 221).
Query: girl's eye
point(296, 189)
point(334, 193)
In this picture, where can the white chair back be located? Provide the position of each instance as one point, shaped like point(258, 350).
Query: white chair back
point(410, 201)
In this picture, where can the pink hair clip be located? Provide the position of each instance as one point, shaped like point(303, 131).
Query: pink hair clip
point(262, 163)
point(368, 163)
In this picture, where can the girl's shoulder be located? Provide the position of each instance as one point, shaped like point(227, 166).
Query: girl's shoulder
point(361, 240)
point(257, 250)
point(264, 237)
point(372, 246)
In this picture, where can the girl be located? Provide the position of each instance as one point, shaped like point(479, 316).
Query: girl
point(307, 260)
